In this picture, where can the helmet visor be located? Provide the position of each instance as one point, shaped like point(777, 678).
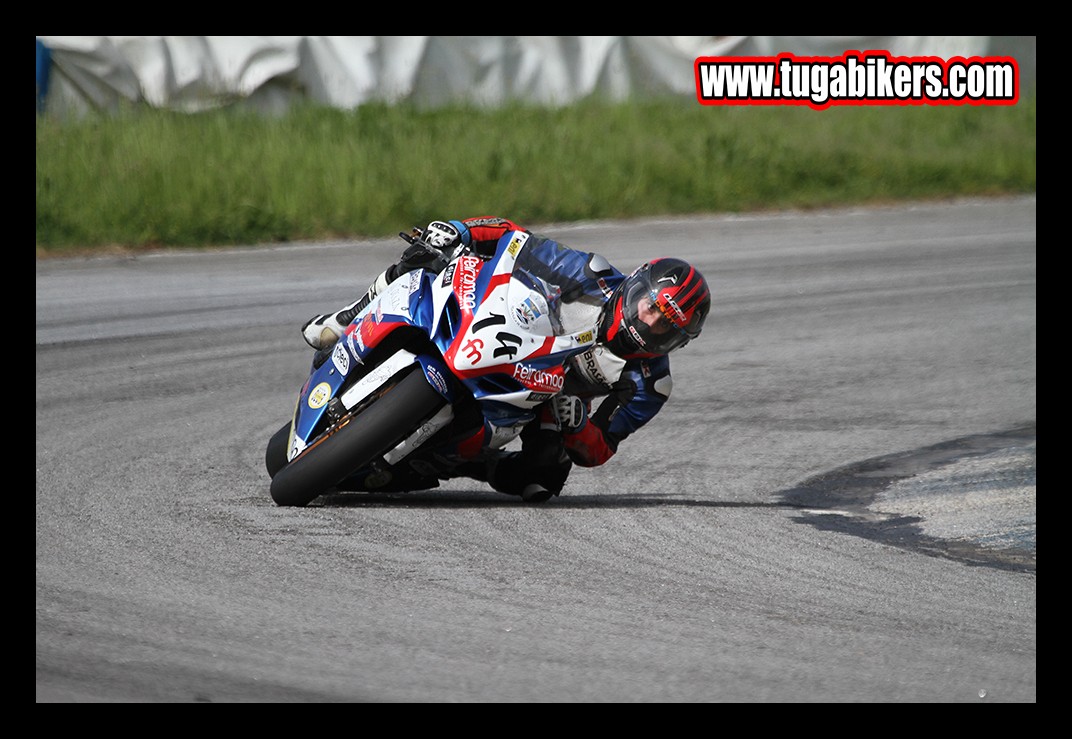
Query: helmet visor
point(651, 318)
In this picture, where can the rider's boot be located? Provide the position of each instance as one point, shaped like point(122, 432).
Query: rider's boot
point(537, 473)
point(321, 332)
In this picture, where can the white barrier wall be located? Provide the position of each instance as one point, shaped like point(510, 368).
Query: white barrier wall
point(269, 73)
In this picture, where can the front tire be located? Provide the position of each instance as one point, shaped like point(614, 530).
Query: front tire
point(368, 434)
point(275, 456)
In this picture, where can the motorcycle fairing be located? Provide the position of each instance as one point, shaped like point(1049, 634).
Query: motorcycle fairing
point(496, 329)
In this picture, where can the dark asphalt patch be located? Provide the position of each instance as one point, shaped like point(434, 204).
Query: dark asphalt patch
point(845, 500)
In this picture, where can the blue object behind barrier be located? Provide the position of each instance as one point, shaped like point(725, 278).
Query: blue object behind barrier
point(44, 63)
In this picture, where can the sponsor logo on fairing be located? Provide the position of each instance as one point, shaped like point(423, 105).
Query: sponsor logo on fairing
point(472, 350)
point(537, 378)
point(465, 281)
point(341, 359)
point(367, 330)
point(539, 397)
point(516, 243)
point(436, 378)
point(320, 395)
point(527, 312)
point(353, 340)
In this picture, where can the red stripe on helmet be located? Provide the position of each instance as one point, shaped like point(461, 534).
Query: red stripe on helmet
point(616, 322)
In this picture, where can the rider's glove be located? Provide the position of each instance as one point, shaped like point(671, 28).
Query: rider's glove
point(430, 249)
point(443, 236)
point(416, 257)
point(570, 412)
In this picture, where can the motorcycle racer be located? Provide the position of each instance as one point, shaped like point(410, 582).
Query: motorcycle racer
point(610, 391)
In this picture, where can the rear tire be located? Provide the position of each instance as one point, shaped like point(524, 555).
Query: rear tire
point(371, 432)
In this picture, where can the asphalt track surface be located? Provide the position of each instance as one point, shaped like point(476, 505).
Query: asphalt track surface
point(838, 504)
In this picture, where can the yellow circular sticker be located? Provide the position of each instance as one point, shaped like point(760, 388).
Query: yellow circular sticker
point(320, 395)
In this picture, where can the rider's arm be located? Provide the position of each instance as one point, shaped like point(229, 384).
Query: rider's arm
point(483, 232)
point(643, 389)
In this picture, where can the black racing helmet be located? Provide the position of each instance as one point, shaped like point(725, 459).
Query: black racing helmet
point(660, 307)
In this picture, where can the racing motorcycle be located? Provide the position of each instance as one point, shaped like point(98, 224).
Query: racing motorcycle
point(432, 359)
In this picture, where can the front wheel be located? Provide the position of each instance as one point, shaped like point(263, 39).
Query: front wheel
point(355, 441)
point(275, 456)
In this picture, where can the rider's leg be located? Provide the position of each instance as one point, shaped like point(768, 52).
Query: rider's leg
point(537, 472)
point(324, 330)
